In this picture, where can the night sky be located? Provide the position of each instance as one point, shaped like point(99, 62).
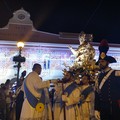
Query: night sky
point(98, 17)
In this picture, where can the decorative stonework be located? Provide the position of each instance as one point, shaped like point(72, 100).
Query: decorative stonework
point(21, 17)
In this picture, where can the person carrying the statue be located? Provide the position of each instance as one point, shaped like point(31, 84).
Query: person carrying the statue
point(87, 97)
point(70, 98)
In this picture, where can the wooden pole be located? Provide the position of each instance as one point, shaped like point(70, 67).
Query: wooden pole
point(52, 101)
point(64, 111)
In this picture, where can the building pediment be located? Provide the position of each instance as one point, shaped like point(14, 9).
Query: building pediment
point(20, 28)
point(21, 17)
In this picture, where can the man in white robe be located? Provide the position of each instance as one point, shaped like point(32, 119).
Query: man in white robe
point(34, 84)
point(57, 98)
point(48, 106)
point(87, 96)
point(70, 97)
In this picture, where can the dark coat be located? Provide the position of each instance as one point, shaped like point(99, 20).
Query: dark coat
point(106, 100)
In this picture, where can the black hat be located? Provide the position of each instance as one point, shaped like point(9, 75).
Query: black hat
point(103, 48)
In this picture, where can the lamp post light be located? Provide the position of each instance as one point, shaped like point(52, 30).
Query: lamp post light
point(20, 45)
point(19, 59)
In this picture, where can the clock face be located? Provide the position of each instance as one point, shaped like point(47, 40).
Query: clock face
point(21, 16)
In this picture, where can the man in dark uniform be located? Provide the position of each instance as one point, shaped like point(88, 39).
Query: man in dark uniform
point(107, 98)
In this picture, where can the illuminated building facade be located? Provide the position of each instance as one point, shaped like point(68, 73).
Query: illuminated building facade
point(50, 50)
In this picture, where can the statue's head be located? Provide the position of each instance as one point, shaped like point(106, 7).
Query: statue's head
point(82, 38)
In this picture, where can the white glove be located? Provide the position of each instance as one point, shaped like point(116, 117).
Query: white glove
point(64, 98)
point(97, 115)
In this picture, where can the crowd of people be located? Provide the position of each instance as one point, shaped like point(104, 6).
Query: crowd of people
point(69, 99)
point(11, 97)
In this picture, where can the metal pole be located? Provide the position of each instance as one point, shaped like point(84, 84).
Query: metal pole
point(18, 68)
point(64, 110)
point(52, 100)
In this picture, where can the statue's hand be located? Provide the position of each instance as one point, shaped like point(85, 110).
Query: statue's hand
point(70, 47)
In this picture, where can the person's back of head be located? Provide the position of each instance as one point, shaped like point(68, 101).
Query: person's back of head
point(23, 74)
point(2, 84)
point(7, 83)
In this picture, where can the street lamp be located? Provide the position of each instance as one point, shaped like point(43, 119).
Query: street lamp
point(20, 45)
point(19, 59)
